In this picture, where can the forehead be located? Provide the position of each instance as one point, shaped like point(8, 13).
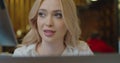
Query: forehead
point(50, 4)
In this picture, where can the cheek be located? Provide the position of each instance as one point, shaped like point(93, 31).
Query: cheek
point(62, 28)
point(39, 24)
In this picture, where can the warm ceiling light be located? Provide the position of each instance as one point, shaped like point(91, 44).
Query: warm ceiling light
point(27, 27)
point(19, 33)
point(94, 0)
point(119, 6)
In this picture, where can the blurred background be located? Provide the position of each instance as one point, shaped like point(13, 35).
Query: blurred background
point(96, 16)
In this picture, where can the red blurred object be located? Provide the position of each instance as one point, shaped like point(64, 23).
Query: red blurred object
point(99, 46)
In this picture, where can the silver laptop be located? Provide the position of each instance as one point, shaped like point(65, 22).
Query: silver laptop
point(107, 58)
point(7, 35)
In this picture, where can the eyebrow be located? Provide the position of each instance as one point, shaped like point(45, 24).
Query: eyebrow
point(42, 10)
point(46, 10)
point(57, 11)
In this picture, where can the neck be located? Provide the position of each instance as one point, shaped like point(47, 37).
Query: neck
point(51, 48)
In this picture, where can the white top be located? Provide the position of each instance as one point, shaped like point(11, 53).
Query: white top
point(30, 51)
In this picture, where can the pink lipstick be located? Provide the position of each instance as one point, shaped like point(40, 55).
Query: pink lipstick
point(49, 33)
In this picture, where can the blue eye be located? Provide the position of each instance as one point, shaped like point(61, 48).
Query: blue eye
point(41, 14)
point(58, 15)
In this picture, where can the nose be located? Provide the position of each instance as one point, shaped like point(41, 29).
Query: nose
point(49, 21)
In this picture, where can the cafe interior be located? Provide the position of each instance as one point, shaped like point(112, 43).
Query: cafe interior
point(101, 16)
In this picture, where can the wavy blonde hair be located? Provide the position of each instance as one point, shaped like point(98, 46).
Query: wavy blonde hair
point(70, 19)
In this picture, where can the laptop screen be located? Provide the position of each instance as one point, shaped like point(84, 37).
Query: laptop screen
point(7, 35)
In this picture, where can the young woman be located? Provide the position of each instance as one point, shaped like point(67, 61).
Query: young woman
point(54, 31)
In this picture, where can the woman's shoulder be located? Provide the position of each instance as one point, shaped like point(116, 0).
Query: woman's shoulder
point(84, 48)
point(24, 50)
point(82, 45)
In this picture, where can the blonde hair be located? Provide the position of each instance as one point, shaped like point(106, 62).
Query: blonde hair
point(70, 19)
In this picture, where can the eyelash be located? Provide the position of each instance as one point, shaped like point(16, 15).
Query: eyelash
point(57, 15)
point(42, 14)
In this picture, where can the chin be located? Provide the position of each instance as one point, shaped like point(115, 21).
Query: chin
point(49, 39)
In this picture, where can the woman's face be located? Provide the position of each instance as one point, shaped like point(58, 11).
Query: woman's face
point(50, 21)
